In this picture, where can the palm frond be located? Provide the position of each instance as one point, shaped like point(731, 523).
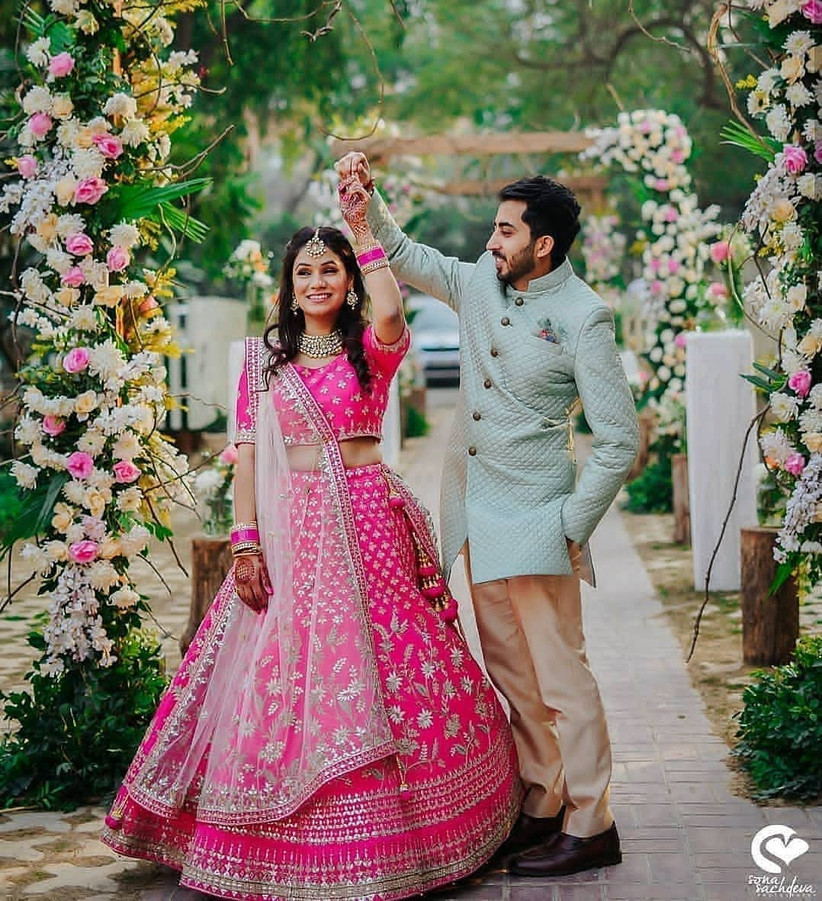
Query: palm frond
point(736, 134)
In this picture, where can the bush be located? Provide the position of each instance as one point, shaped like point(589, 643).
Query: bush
point(652, 491)
point(780, 727)
point(78, 732)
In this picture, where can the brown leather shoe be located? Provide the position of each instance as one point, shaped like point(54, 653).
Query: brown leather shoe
point(528, 832)
point(564, 854)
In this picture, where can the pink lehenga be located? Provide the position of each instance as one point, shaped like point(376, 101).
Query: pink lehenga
point(344, 744)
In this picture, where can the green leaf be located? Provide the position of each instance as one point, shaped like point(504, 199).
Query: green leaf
point(758, 383)
point(61, 36)
point(180, 221)
point(36, 511)
point(783, 572)
point(773, 374)
point(139, 201)
point(737, 135)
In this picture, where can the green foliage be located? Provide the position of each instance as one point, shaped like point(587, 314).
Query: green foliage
point(32, 509)
point(78, 731)
point(652, 491)
point(416, 425)
point(780, 727)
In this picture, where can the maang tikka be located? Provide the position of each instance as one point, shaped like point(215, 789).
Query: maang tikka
point(315, 246)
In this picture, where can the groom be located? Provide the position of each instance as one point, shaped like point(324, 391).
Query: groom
point(535, 339)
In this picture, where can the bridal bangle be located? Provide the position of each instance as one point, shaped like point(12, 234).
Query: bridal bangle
point(371, 259)
point(245, 539)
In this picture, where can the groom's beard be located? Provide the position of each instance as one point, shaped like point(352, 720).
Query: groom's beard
point(519, 266)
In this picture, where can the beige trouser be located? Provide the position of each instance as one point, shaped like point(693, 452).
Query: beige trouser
point(531, 633)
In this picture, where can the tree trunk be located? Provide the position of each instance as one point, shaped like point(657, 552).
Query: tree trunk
point(770, 623)
point(682, 502)
point(210, 563)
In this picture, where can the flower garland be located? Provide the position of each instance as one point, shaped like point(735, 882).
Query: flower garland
point(674, 237)
point(783, 217)
point(101, 97)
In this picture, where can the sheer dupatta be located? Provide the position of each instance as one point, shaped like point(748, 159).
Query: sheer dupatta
point(272, 706)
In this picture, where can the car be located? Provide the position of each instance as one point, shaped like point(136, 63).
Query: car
point(435, 338)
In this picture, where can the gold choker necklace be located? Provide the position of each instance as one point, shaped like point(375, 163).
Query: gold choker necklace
point(318, 346)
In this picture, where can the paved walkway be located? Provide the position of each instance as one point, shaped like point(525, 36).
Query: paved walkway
point(686, 836)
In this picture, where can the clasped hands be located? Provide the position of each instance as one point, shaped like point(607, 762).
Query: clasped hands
point(352, 191)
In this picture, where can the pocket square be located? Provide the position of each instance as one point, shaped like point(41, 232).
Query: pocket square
point(546, 332)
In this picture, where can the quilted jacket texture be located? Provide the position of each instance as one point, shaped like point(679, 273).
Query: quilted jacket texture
point(510, 483)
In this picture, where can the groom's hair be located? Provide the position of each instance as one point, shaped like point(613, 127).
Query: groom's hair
point(551, 209)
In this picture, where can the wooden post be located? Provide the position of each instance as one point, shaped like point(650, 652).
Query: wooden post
point(770, 623)
point(647, 422)
point(210, 563)
point(682, 503)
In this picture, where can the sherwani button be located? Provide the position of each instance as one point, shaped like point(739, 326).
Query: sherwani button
point(505, 320)
point(519, 301)
point(472, 451)
point(487, 383)
point(477, 416)
point(494, 352)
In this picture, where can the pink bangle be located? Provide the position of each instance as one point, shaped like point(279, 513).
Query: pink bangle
point(242, 535)
point(368, 256)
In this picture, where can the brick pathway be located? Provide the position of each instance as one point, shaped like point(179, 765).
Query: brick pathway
point(686, 836)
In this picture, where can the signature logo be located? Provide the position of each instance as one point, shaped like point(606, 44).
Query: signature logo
point(776, 843)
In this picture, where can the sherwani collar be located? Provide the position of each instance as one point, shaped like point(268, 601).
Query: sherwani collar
point(551, 281)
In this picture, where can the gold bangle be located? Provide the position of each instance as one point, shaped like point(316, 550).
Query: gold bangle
point(244, 525)
point(249, 553)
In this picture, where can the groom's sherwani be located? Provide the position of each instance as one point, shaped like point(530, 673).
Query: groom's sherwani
point(511, 500)
point(526, 356)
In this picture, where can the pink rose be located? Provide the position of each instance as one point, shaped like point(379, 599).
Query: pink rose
point(117, 259)
point(125, 471)
point(795, 464)
point(27, 165)
point(110, 146)
point(229, 456)
point(80, 465)
point(661, 184)
point(800, 382)
point(76, 360)
point(671, 215)
point(61, 65)
point(718, 291)
point(83, 551)
point(673, 266)
point(678, 156)
point(79, 244)
point(813, 10)
point(655, 264)
point(73, 277)
point(53, 425)
point(720, 251)
point(795, 158)
point(681, 339)
point(90, 190)
point(40, 124)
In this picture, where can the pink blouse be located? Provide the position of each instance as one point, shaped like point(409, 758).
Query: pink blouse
point(351, 411)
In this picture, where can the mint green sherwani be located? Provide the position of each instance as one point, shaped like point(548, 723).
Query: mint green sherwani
point(510, 484)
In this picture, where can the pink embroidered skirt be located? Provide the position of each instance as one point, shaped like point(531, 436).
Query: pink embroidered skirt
point(394, 828)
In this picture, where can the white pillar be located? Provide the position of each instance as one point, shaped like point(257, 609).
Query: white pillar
point(720, 406)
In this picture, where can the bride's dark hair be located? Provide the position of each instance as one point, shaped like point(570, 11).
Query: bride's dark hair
point(282, 338)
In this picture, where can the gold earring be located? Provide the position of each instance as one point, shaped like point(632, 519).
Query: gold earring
point(351, 299)
point(294, 305)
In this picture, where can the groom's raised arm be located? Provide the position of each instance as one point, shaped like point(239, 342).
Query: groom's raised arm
point(423, 267)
